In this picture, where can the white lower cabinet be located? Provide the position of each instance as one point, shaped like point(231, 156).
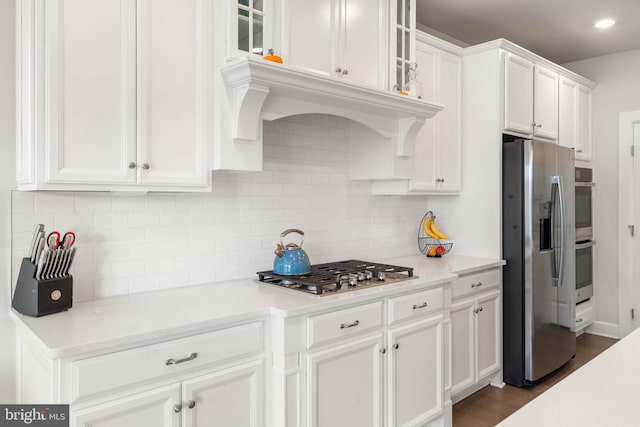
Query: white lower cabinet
point(415, 372)
point(346, 384)
point(358, 369)
point(214, 378)
point(476, 333)
point(149, 408)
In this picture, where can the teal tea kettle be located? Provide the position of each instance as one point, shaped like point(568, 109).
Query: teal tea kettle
point(290, 258)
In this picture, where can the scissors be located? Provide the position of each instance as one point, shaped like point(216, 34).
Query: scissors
point(54, 241)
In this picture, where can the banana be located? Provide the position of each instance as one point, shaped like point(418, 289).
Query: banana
point(427, 226)
point(437, 232)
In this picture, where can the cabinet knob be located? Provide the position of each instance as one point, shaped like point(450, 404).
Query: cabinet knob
point(177, 407)
point(578, 151)
point(191, 404)
point(132, 165)
point(383, 350)
point(338, 70)
point(395, 346)
point(538, 126)
point(579, 320)
point(145, 166)
point(345, 72)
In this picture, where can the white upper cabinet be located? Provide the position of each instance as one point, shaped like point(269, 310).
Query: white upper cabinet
point(250, 28)
point(339, 38)
point(568, 113)
point(518, 94)
point(89, 92)
point(545, 103)
point(125, 94)
point(530, 98)
point(584, 141)
point(436, 164)
point(403, 47)
point(575, 117)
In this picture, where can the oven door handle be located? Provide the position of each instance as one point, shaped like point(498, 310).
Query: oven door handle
point(585, 245)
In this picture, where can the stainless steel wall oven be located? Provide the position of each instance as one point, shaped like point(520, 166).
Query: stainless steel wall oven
point(584, 234)
point(584, 212)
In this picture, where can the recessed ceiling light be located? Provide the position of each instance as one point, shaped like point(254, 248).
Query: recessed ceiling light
point(604, 23)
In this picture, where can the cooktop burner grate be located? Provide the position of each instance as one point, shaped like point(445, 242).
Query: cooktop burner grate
point(341, 276)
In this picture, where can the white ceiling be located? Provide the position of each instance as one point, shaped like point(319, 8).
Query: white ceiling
point(559, 30)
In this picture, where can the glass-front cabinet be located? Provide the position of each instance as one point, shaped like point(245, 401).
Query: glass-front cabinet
point(250, 27)
point(403, 51)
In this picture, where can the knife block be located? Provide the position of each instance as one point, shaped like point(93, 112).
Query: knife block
point(40, 297)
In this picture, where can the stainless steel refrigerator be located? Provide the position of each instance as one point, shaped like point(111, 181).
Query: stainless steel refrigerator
point(538, 236)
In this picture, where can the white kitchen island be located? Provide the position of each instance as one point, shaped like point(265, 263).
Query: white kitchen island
point(604, 392)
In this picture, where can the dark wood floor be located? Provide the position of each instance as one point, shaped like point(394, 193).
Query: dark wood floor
point(489, 406)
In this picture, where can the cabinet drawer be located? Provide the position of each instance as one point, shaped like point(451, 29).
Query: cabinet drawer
point(476, 282)
point(98, 374)
point(343, 323)
point(414, 305)
point(584, 314)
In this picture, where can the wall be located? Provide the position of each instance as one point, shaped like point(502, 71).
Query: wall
point(7, 161)
point(139, 243)
point(618, 91)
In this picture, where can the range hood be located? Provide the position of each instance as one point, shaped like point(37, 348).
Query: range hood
point(259, 90)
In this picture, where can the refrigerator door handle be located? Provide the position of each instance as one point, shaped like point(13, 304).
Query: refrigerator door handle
point(558, 271)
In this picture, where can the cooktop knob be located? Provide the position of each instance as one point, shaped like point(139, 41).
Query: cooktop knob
point(381, 276)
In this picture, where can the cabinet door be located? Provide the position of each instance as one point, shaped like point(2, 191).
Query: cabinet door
point(449, 123)
point(232, 398)
point(415, 372)
point(518, 94)
point(154, 408)
point(311, 33)
point(489, 333)
point(345, 385)
point(425, 172)
point(462, 345)
point(89, 91)
point(545, 112)
point(568, 117)
point(173, 91)
point(584, 141)
point(363, 49)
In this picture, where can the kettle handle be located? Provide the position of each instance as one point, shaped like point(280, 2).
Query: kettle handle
point(292, 230)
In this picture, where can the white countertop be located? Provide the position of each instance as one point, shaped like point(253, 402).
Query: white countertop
point(603, 392)
point(123, 321)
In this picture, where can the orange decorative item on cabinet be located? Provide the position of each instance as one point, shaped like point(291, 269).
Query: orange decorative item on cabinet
point(272, 57)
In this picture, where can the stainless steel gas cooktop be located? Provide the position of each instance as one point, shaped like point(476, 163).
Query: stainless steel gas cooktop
point(338, 277)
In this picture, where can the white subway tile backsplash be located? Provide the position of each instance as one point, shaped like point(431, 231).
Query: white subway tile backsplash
point(22, 202)
point(135, 243)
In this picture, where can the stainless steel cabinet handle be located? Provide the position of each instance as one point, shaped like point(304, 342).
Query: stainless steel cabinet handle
point(477, 310)
point(176, 361)
point(191, 404)
point(476, 285)
point(578, 151)
point(538, 126)
point(423, 305)
point(579, 320)
point(145, 166)
point(177, 407)
point(132, 165)
point(396, 346)
point(349, 325)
